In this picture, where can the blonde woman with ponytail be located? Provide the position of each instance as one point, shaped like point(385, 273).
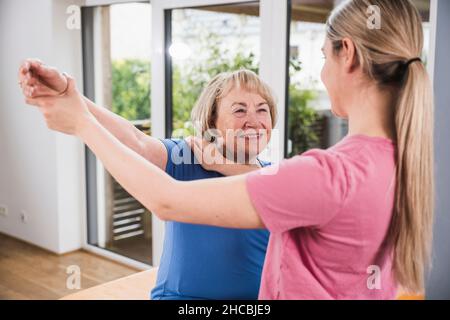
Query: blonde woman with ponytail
point(350, 222)
point(390, 60)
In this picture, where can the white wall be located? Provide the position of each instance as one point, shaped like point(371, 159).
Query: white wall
point(41, 172)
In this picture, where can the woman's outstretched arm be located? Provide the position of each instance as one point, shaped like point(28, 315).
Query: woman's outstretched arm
point(47, 81)
point(220, 202)
point(149, 147)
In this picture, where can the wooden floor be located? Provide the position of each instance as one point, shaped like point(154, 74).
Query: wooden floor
point(29, 272)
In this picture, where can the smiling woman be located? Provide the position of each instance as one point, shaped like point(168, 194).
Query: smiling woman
point(195, 256)
point(234, 108)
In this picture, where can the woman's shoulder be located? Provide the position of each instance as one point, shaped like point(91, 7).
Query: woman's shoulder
point(182, 163)
point(177, 147)
point(179, 157)
point(171, 143)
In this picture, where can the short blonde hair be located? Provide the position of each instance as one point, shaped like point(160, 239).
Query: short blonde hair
point(204, 113)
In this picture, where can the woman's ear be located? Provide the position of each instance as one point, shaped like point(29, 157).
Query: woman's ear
point(349, 55)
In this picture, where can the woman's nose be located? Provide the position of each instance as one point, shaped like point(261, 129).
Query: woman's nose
point(251, 119)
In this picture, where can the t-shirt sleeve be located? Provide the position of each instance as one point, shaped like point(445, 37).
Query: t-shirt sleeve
point(170, 144)
point(305, 191)
point(179, 155)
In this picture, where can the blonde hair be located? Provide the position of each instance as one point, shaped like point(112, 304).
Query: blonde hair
point(204, 113)
point(383, 55)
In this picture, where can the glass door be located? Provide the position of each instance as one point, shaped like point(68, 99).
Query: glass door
point(116, 55)
point(202, 38)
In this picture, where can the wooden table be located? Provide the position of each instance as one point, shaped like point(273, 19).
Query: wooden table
point(134, 287)
point(138, 286)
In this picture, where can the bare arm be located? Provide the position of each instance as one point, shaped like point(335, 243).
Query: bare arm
point(45, 81)
point(220, 202)
point(148, 147)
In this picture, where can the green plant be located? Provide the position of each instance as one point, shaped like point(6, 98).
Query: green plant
point(131, 88)
point(188, 82)
point(301, 120)
point(301, 117)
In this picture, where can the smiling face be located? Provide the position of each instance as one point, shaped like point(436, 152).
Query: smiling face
point(245, 122)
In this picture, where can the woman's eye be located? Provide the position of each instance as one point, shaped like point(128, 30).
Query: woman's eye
point(239, 111)
point(263, 110)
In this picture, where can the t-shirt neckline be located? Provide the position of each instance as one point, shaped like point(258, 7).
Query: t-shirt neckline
point(367, 138)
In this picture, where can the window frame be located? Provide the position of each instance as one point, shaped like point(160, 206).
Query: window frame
point(93, 232)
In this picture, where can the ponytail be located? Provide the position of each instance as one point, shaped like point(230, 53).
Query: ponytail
point(411, 226)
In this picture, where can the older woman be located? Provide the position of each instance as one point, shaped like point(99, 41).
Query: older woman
point(237, 111)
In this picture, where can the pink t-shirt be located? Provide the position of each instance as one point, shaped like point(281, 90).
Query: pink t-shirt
point(328, 212)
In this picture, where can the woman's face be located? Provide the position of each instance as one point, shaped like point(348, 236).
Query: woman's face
point(245, 122)
point(334, 79)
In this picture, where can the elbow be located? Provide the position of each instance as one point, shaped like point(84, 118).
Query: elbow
point(162, 206)
point(162, 211)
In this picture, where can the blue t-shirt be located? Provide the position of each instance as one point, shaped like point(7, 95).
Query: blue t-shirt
point(206, 262)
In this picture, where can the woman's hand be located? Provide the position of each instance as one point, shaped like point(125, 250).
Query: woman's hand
point(211, 158)
point(65, 113)
point(207, 153)
point(38, 79)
